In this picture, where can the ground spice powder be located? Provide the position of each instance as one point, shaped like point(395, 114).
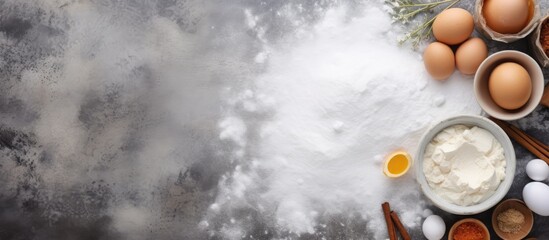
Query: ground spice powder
point(544, 37)
point(469, 231)
point(510, 221)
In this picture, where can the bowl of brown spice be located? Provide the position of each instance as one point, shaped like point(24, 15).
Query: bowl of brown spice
point(469, 229)
point(512, 219)
point(540, 42)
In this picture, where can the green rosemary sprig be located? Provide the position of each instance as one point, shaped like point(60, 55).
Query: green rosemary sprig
point(404, 11)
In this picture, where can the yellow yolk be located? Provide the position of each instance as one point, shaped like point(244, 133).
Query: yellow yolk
point(397, 164)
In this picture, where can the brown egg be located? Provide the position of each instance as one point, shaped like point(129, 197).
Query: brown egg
point(510, 85)
point(439, 60)
point(470, 55)
point(506, 16)
point(453, 26)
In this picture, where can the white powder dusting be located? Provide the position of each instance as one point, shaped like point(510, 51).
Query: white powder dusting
point(342, 95)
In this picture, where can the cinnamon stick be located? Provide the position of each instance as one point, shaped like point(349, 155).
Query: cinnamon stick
point(400, 227)
point(538, 145)
point(538, 142)
point(390, 226)
point(522, 141)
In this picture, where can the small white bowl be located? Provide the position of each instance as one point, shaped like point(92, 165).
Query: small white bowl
point(503, 188)
point(482, 93)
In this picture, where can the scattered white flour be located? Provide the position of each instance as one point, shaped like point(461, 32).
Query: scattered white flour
point(464, 165)
point(339, 95)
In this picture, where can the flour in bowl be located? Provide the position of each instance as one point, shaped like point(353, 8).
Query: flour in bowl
point(464, 165)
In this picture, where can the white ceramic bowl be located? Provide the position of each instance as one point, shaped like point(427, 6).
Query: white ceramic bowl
point(482, 93)
point(503, 188)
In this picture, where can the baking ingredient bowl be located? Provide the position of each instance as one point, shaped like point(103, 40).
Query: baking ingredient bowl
point(453, 230)
point(503, 187)
point(518, 205)
point(509, 12)
point(538, 44)
point(482, 92)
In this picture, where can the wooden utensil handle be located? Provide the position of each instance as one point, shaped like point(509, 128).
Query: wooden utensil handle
point(545, 97)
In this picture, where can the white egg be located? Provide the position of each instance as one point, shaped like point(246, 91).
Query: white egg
point(434, 227)
point(536, 197)
point(537, 170)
